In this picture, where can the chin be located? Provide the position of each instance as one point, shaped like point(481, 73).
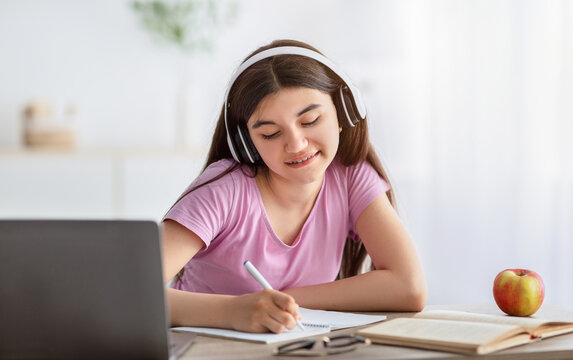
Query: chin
point(311, 176)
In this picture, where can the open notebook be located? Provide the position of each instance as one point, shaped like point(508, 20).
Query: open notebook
point(316, 322)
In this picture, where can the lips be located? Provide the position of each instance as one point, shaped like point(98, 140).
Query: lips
point(302, 160)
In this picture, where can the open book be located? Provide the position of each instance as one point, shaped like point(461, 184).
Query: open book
point(315, 322)
point(463, 332)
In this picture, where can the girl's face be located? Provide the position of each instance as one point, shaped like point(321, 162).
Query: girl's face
point(296, 132)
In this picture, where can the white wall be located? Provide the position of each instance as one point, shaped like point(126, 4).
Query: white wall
point(469, 105)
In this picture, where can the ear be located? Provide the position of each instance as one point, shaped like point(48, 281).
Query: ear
point(339, 129)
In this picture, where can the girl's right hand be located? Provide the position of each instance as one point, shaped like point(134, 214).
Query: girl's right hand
point(264, 311)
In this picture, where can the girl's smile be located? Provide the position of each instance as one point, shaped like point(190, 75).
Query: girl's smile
point(303, 161)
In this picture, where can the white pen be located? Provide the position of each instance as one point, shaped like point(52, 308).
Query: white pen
point(257, 275)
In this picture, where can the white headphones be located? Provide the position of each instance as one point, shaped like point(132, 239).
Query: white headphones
point(351, 103)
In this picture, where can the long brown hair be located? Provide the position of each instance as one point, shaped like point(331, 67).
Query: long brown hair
point(268, 76)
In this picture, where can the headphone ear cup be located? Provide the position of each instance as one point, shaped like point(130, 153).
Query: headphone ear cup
point(350, 106)
point(337, 100)
point(239, 149)
point(346, 109)
point(252, 149)
point(248, 153)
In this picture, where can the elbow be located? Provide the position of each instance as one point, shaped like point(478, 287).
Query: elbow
point(418, 301)
point(416, 295)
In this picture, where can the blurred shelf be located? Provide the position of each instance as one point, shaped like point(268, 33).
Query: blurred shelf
point(122, 183)
point(104, 151)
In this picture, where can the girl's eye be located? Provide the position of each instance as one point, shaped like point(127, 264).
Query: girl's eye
point(267, 137)
point(311, 122)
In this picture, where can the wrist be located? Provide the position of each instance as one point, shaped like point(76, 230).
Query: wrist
point(221, 309)
point(196, 309)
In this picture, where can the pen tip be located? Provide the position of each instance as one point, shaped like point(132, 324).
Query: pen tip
point(246, 261)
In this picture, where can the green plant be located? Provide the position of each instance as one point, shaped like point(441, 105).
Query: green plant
point(190, 25)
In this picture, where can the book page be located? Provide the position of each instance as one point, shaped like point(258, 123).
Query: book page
point(420, 331)
point(528, 323)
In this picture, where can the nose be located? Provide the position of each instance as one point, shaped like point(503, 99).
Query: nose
point(296, 141)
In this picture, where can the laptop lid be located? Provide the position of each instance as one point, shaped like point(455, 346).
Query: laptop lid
point(81, 289)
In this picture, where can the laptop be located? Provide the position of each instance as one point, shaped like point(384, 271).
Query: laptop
point(83, 289)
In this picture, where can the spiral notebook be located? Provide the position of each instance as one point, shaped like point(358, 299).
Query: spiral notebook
point(316, 322)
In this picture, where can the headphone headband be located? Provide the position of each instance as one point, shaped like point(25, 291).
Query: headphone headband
point(288, 50)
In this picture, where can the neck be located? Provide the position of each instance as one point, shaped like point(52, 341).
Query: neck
point(288, 195)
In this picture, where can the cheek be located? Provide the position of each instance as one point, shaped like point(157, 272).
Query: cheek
point(259, 143)
point(333, 138)
point(267, 150)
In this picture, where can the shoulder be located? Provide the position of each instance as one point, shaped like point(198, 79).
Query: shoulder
point(364, 185)
point(216, 185)
point(222, 173)
point(210, 201)
point(217, 169)
point(361, 168)
point(356, 171)
point(359, 179)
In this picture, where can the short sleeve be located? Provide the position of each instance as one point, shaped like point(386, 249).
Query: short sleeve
point(364, 186)
point(205, 210)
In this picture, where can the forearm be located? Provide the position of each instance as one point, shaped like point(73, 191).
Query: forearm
point(263, 311)
point(196, 309)
point(377, 290)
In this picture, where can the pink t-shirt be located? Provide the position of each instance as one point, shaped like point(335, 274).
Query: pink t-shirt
point(229, 216)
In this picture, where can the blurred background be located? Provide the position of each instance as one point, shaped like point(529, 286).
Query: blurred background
point(107, 109)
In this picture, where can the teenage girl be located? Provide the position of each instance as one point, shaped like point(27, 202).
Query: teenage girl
point(293, 184)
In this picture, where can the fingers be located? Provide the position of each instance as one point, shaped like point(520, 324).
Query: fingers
point(280, 309)
point(287, 303)
point(265, 311)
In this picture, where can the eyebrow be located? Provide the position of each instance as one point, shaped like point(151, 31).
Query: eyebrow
point(260, 123)
point(308, 108)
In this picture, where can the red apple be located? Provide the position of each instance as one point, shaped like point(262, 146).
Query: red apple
point(518, 292)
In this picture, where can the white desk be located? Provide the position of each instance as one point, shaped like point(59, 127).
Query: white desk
point(559, 347)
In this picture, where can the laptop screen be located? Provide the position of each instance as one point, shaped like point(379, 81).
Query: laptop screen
point(81, 289)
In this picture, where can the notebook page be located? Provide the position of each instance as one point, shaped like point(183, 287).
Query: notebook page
point(336, 319)
point(316, 322)
point(266, 338)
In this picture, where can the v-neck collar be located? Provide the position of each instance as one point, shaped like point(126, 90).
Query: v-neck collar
point(263, 211)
